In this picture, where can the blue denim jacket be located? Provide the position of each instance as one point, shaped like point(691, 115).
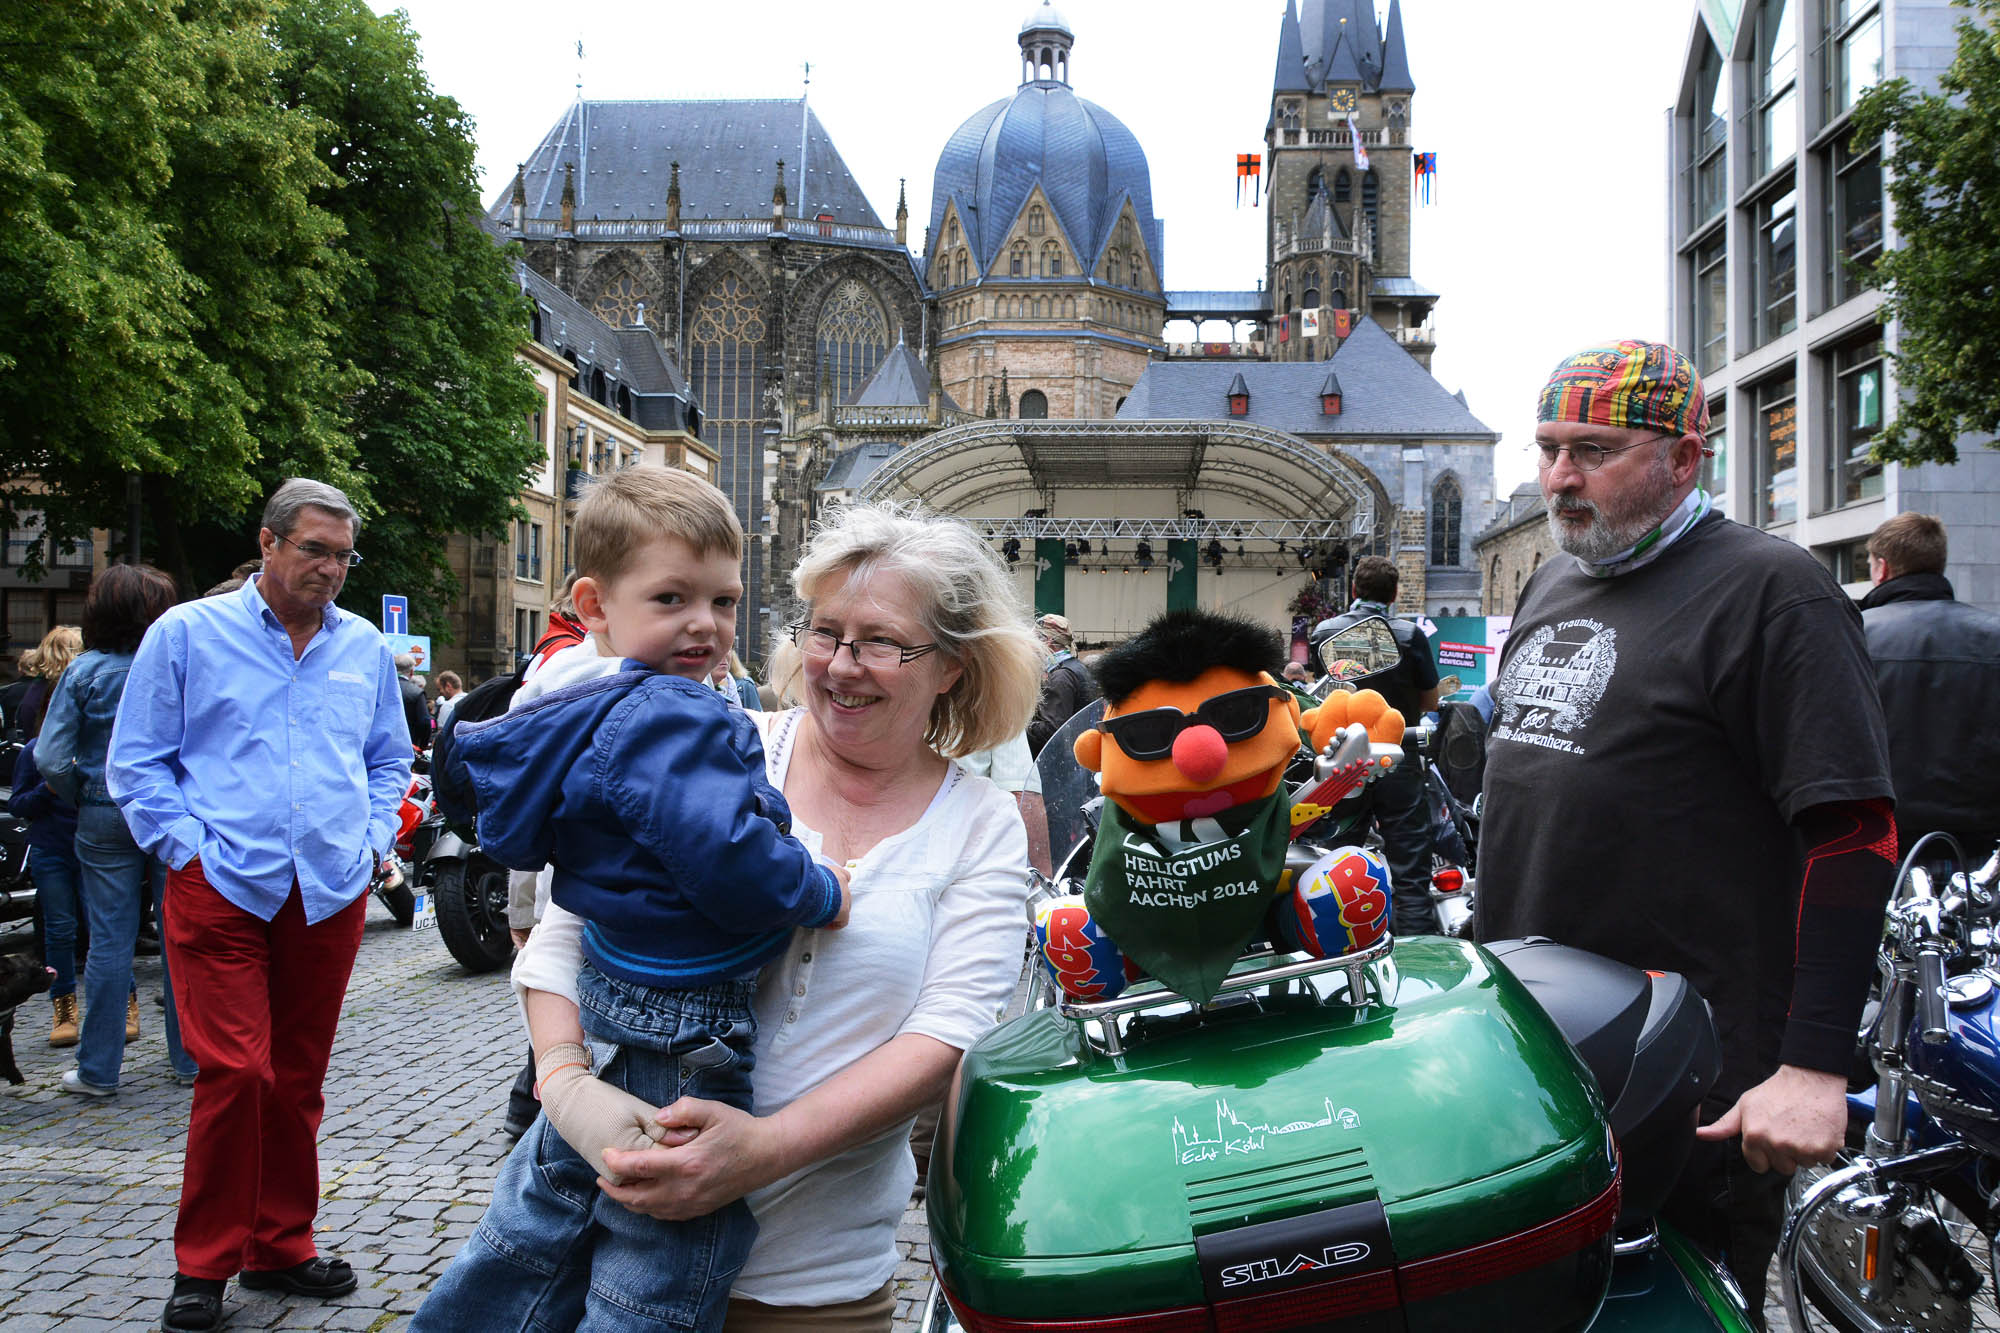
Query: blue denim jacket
point(77, 732)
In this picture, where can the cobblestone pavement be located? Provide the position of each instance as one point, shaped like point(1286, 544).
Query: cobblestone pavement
point(408, 1152)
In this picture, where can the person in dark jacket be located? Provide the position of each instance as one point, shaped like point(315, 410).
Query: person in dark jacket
point(1412, 690)
point(416, 709)
point(1937, 665)
point(1067, 684)
point(52, 863)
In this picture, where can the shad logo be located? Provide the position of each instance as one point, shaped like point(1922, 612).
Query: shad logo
point(1271, 1269)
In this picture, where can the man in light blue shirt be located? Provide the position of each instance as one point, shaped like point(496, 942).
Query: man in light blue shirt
point(262, 753)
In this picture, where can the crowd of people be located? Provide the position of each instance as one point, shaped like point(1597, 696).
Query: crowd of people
point(760, 923)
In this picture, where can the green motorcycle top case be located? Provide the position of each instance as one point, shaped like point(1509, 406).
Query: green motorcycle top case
point(1418, 1161)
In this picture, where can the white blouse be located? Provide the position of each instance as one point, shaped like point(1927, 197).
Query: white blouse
point(933, 946)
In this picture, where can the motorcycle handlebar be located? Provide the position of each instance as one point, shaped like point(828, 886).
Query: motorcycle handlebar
point(1930, 997)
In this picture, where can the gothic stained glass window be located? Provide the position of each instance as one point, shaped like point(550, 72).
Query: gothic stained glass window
point(1447, 511)
point(618, 303)
point(853, 337)
point(726, 365)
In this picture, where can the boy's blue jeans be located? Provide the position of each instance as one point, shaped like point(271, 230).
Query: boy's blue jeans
point(553, 1252)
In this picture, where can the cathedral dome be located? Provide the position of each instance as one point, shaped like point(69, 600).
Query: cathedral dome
point(1082, 158)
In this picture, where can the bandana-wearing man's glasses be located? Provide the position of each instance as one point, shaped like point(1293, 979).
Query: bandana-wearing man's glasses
point(1237, 716)
point(1587, 456)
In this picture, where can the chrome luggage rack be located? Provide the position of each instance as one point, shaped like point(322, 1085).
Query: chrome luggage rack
point(1149, 994)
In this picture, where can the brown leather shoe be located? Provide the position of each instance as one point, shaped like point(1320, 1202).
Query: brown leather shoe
point(132, 1018)
point(64, 1032)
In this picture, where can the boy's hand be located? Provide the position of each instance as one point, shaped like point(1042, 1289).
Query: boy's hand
point(589, 1113)
point(846, 898)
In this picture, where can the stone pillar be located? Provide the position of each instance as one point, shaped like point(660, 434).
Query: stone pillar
point(1412, 558)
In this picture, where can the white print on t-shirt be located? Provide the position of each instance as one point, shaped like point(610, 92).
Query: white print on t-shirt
point(1554, 683)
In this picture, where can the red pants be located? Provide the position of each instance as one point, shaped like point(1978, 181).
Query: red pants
point(259, 1003)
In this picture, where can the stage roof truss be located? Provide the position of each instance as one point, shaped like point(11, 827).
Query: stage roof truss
point(1290, 482)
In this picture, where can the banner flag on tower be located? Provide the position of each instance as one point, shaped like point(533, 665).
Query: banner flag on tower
point(1249, 166)
point(1427, 170)
point(1360, 149)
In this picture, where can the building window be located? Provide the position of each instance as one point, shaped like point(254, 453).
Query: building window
point(726, 370)
point(1034, 405)
point(853, 337)
point(1853, 43)
point(1312, 288)
point(1036, 223)
point(1447, 511)
point(1138, 273)
point(1343, 187)
point(1777, 85)
point(951, 233)
point(535, 551)
point(1853, 220)
point(1368, 210)
point(1849, 561)
point(1711, 302)
point(619, 301)
point(1710, 135)
point(1853, 409)
point(960, 280)
point(1715, 467)
point(1777, 451)
point(1052, 265)
point(520, 548)
point(1777, 279)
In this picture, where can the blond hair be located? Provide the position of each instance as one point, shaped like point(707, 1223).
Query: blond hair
point(50, 658)
point(620, 513)
point(965, 601)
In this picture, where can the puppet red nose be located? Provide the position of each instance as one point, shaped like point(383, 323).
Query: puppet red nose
point(1200, 752)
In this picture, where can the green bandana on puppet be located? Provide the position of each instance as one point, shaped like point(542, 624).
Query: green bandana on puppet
point(1191, 757)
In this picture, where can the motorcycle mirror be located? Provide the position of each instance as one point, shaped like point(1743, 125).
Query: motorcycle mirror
point(1068, 786)
point(1359, 652)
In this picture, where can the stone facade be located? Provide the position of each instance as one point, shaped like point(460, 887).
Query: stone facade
point(1513, 548)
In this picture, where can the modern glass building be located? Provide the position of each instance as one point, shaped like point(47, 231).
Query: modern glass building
point(1777, 213)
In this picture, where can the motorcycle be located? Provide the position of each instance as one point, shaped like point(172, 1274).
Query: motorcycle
point(1416, 1134)
point(469, 892)
point(394, 882)
point(1887, 1239)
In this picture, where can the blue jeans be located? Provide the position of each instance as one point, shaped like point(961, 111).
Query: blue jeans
point(55, 876)
point(552, 1251)
point(116, 875)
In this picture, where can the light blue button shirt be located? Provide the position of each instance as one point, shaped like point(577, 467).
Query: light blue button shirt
point(266, 767)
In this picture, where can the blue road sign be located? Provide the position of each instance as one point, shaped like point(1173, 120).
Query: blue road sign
point(395, 614)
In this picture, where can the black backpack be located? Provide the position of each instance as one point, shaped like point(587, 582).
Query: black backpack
point(451, 783)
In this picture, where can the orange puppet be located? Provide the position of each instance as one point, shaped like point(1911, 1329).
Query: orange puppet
point(1191, 756)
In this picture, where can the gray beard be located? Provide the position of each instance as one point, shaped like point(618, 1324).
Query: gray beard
point(1611, 532)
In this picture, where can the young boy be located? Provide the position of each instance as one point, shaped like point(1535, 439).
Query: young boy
point(648, 793)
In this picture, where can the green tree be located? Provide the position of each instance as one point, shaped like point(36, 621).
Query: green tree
point(1942, 282)
point(428, 308)
point(165, 279)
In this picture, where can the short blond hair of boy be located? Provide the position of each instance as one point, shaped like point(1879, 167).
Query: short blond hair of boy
point(620, 513)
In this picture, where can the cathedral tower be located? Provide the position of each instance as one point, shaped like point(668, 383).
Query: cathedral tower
point(1337, 241)
point(1044, 251)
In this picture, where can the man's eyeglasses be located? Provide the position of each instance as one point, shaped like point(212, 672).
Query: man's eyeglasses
point(1587, 455)
point(823, 645)
point(318, 554)
point(1237, 716)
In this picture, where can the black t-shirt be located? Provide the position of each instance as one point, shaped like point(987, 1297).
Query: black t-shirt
point(1653, 737)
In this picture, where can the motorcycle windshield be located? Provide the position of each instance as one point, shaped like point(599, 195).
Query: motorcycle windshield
point(1067, 785)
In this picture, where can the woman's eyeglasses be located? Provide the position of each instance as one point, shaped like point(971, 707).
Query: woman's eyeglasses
point(822, 645)
point(1236, 716)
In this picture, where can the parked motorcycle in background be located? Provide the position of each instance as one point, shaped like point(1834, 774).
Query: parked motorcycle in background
point(1891, 1238)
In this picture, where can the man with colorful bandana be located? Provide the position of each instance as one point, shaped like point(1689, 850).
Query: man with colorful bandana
point(1687, 770)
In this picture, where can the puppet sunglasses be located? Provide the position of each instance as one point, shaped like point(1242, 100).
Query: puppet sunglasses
point(1236, 716)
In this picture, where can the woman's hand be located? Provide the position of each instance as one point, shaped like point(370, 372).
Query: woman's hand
point(711, 1154)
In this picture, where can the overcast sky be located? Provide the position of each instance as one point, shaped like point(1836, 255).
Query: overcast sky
point(1548, 119)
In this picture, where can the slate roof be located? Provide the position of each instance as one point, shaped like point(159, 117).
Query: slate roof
point(902, 380)
point(1385, 392)
point(1180, 305)
point(1407, 287)
point(633, 357)
point(728, 151)
point(851, 468)
point(1083, 157)
point(1338, 40)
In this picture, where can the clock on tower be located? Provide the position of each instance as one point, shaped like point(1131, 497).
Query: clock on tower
point(1340, 102)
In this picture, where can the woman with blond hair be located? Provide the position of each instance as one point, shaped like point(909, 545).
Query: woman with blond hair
point(913, 649)
point(51, 831)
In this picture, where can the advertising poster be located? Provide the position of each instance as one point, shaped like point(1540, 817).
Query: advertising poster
point(1467, 647)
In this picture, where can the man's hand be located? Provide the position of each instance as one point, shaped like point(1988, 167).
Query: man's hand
point(1797, 1117)
point(589, 1113)
point(846, 898)
point(710, 1155)
point(520, 937)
